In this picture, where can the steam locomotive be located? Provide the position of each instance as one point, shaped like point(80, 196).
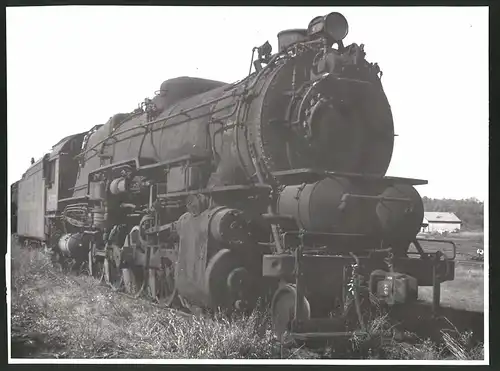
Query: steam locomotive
point(215, 195)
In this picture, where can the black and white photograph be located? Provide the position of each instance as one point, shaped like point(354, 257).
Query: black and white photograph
point(247, 184)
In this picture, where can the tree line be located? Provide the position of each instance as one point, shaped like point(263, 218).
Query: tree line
point(470, 210)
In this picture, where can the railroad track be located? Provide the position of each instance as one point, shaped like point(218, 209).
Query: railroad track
point(470, 263)
point(467, 259)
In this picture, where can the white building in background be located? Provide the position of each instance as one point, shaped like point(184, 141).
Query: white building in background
point(440, 222)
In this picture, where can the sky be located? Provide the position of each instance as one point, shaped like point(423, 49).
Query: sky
point(70, 68)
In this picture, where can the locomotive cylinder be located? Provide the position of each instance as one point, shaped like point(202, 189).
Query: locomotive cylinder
point(228, 226)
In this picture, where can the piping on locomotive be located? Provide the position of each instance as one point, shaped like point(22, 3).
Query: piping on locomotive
point(214, 194)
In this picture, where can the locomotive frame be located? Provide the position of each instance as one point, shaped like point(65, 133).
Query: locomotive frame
point(213, 194)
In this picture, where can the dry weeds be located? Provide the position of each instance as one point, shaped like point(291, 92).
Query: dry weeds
point(65, 316)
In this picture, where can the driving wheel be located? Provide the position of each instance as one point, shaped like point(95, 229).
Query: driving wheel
point(283, 310)
point(161, 285)
point(57, 261)
point(95, 264)
point(133, 280)
point(112, 274)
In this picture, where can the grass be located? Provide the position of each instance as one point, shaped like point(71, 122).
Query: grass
point(381, 343)
point(465, 292)
point(65, 316)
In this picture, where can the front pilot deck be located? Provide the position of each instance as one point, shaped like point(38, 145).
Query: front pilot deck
point(307, 268)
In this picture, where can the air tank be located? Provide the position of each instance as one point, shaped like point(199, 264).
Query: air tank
point(400, 221)
point(72, 245)
point(315, 206)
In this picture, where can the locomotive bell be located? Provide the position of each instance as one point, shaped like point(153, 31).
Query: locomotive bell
point(287, 38)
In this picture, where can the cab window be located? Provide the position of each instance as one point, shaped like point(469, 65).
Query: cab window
point(51, 173)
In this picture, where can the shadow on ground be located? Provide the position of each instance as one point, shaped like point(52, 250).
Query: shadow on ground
point(425, 325)
point(33, 345)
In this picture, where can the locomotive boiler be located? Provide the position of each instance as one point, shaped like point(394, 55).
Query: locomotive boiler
point(214, 194)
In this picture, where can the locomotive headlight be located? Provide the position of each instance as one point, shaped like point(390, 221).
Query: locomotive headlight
point(334, 25)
